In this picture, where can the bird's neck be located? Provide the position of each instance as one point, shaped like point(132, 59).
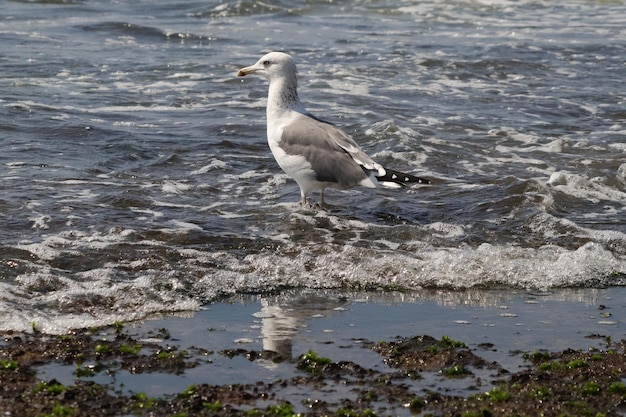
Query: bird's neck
point(282, 98)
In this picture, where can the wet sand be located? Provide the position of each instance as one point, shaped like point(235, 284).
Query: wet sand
point(497, 352)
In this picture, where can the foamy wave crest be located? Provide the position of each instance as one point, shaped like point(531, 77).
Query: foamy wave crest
point(78, 279)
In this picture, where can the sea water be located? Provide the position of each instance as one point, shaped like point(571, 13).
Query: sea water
point(135, 176)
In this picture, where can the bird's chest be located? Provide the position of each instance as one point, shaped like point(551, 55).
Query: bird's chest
point(295, 165)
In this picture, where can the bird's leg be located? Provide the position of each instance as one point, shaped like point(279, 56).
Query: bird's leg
point(302, 198)
point(322, 204)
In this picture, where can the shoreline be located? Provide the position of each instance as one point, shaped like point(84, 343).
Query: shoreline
point(335, 353)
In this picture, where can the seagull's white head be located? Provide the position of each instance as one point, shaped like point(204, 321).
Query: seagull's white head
point(273, 66)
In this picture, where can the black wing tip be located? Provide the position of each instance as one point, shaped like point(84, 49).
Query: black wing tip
point(422, 181)
point(416, 180)
point(402, 178)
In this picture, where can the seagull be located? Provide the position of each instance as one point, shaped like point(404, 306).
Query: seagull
point(315, 153)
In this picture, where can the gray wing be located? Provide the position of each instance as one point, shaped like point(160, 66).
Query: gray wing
point(333, 154)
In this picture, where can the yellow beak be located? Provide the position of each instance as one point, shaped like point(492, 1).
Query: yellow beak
point(245, 71)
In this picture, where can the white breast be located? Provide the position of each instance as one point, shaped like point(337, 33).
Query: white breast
point(296, 166)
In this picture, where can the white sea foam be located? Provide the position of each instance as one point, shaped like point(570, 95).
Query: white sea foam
point(175, 187)
point(542, 268)
point(180, 225)
point(594, 189)
point(212, 165)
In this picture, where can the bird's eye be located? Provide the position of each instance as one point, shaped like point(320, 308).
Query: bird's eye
point(266, 63)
